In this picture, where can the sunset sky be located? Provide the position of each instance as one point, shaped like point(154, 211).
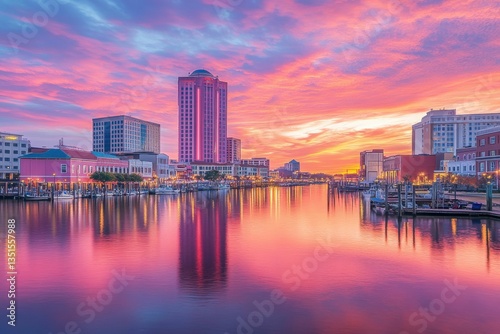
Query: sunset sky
point(313, 80)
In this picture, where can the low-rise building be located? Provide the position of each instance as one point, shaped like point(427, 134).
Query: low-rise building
point(415, 168)
point(160, 162)
point(255, 162)
point(488, 150)
point(464, 162)
point(371, 165)
point(68, 165)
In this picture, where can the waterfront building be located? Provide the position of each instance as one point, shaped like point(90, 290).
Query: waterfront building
point(200, 168)
point(464, 162)
point(256, 162)
point(371, 165)
point(293, 166)
point(488, 151)
point(202, 100)
point(416, 168)
point(68, 165)
point(12, 146)
point(274, 174)
point(233, 150)
point(120, 134)
point(249, 170)
point(160, 163)
point(446, 131)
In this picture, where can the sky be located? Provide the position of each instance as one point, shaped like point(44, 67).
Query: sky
point(313, 80)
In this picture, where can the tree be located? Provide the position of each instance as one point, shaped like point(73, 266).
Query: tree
point(135, 177)
point(212, 175)
point(102, 177)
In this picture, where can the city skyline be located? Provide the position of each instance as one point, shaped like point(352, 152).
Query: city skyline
point(315, 81)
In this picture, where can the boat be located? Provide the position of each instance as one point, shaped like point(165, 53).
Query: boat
point(224, 186)
point(63, 195)
point(34, 197)
point(165, 190)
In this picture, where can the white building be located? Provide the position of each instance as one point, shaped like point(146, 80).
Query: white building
point(371, 165)
point(255, 162)
point(12, 146)
point(443, 130)
point(143, 168)
point(464, 162)
point(119, 134)
point(200, 168)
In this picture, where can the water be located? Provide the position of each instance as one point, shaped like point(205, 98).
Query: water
point(278, 260)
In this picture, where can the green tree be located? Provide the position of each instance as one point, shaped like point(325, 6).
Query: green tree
point(102, 177)
point(135, 177)
point(212, 175)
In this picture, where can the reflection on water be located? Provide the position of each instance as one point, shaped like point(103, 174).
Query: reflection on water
point(203, 244)
point(201, 260)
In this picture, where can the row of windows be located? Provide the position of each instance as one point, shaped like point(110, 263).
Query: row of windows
point(13, 144)
point(13, 152)
point(8, 167)
point(491, 166)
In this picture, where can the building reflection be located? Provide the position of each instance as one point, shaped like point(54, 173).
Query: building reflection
point(203, 243)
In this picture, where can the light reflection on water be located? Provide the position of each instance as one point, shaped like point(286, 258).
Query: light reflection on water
point(201, 260)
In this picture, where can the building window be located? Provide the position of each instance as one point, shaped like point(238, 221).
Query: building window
point(492, 166)
point(482, 142)
point(481, 167)
point(492, 152)
point(492, 139)
point(64, 168)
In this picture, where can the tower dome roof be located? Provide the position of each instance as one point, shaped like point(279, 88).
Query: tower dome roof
point(201, 73)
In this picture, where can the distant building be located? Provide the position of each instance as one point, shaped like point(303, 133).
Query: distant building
point(12, 146)
point(417, 168)
point(293, 166)
point(464, 162)
point(202, 118)
point(443, 130)
point(255, 162)
point(233, 150)
point(488, 151)
point(119, 134)
point(68, 165)
point(371, 165)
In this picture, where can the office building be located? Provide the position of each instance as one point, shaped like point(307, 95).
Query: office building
point(121, 134)
point(371, 165)
point(12, 146)
point(293, 166)
point(444, 130)
point(202, 100)
point(233, 150)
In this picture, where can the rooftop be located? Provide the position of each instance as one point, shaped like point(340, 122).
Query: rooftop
point(201, 73)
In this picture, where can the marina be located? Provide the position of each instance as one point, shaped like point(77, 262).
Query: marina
point(198, 261)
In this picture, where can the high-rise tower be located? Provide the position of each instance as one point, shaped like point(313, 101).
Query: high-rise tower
point(202, 118)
